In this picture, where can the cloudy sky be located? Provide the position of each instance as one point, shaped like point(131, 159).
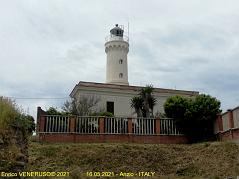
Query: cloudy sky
point(46, 47)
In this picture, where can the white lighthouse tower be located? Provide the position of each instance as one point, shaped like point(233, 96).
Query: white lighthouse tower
point(117, 48)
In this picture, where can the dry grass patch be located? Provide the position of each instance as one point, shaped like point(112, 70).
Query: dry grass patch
point(208, 160)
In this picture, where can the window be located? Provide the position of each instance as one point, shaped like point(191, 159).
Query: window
point(121, 75)
point(110, 107)
point(120, 61)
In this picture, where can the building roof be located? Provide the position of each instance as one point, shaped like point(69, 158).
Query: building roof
point(127, 88)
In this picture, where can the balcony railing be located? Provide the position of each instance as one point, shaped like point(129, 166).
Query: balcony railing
point(116, 38)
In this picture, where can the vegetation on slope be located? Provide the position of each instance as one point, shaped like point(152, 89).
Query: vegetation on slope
point(210, 160)
point(194, 117)
point(15, 127)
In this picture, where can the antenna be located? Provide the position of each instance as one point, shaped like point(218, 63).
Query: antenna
point(128, 31)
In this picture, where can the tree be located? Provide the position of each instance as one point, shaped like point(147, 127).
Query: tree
point(85, 105)
point(11, 118)
point(137, 103)
point(25, 123)
point(144, 102)
point(8, 112)
point(31, 127)
point(149, 100)
point(69, 107)
point(202, 114)
point(53, 111)
point(194, 116)
point(176, 107)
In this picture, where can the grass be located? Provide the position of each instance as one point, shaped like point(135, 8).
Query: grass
point(203, 160)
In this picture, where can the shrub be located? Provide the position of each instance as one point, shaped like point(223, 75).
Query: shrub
point(11, 118)
point(176, 107)
point(15, 128)
point(194, 117)
point(8, 112)
point(107, 114)
point(52, 111)
point(25, 123)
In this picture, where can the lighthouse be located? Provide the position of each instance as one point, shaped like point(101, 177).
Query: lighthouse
point(116, 49)
point(116, 94)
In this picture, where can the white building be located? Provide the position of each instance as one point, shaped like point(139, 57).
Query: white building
point(115, 95)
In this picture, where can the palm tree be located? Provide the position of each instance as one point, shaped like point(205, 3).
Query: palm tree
point(144, 103)
point(149, 100)
point(137, 103)
point(152, 103)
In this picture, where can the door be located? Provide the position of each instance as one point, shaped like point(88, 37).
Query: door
point(110, 106)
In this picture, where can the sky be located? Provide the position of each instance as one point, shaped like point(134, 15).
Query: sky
point(47, 47)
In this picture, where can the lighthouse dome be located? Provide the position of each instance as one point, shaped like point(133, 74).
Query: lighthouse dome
point(117, 31)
